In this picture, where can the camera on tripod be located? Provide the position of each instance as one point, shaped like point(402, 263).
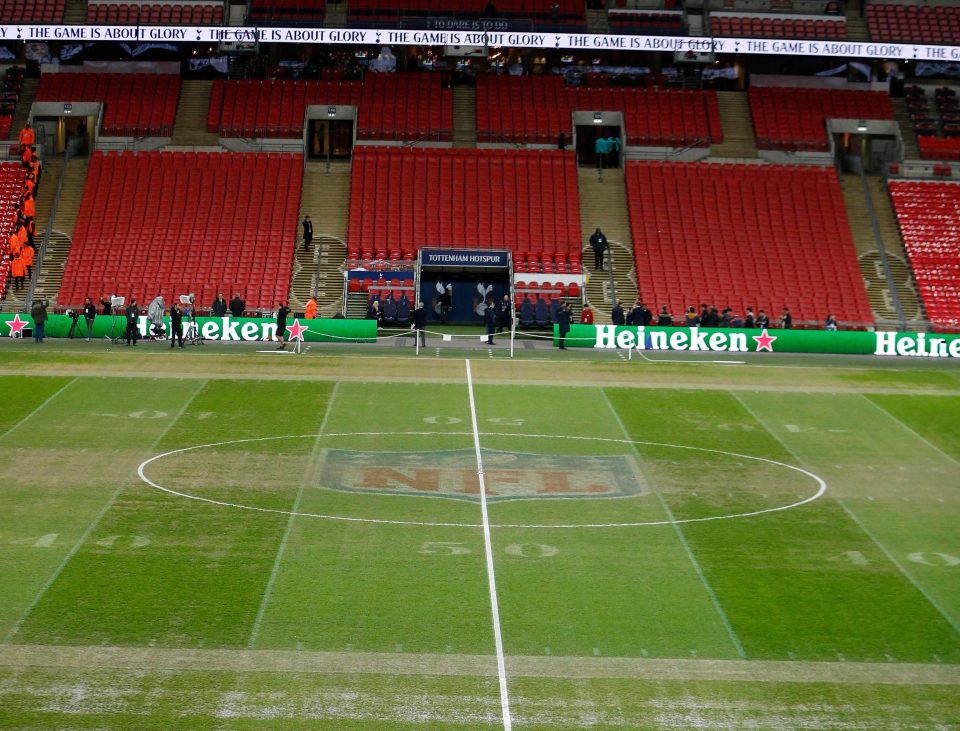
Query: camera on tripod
point(74, 317)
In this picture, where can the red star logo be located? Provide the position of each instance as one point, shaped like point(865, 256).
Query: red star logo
point(16, 324)
point(297, 330)
point(764, 341)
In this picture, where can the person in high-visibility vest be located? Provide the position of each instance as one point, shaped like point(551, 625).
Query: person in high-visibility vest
point(27, 137)
point(17, 269)
point(311, 312)
point(26, 255)
point(29, 208)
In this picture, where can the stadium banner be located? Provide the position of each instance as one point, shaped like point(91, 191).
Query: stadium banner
point(239, 329)
point(484, 38)
point(464, 258)
point(734, 340)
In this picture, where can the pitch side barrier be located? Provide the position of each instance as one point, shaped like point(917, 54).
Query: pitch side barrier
point(479, 37)
point(237, 329)
point(731, 340)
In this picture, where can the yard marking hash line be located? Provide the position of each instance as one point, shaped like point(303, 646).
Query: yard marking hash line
point(268, 590)
point(42, 406)
point(90, 528)
point(488, 550)
point(714, 599)
point(886, 552)
point(903, 570)
point(919, 436)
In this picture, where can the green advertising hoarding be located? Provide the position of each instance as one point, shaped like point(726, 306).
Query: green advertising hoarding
point(732, 340)
point(239, 329)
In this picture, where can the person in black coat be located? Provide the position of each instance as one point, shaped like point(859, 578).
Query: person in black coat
point(763, 321)
point(616, 315)
point(176, 324)
point(599, 244)
point(563, 323)
point(307, 233)
point(665, 319)
point(219, 307)
point(89, 315)
point(420, 323)
point(490, 320)
point(237, 305)
point(282, 312)
point(504, 312)
point(133, 314)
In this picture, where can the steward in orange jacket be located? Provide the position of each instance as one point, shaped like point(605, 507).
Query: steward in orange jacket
point(17, 269)
point(311, 311)
point(26, 256)
point(27, 136)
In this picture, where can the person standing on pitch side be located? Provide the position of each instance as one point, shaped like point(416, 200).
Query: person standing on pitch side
point(176, 324)
point(89, 315)
point(282, 312)
point(563, 323)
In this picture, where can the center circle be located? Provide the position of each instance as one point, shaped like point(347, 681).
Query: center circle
point(586, 484)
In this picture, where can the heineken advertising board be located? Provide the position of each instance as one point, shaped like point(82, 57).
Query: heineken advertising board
point(250, 329)
point(731, 340)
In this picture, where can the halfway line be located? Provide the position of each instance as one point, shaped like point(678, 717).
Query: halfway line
point(488, 550)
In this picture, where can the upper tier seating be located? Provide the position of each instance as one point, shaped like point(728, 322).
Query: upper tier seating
point(531, 109)
point(649, 22)
point(32, 11)
point(795, 119)
point(135, 105)
point(929, 218)
point(404, 198)
point(920, 23)
point(310, 11)
point(11, 185)
point(177, 222)
point(382, 12)
point(185, 12)
point(786, 26)
point(760, 236)
point(391, 106)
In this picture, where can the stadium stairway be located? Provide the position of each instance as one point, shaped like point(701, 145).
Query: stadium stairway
point(48, 283)
point(75, 12)
point(326, 199)
point(604, 204)
point(856, 24)
point(464, 116)
point(739, 140)
point(911, 149)
point(24, 104)
point(598, 21)
point(190, 128)
point(868, 256)
point(335, 15)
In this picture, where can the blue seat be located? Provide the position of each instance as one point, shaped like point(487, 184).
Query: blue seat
point(526, 312)
point(543, 314)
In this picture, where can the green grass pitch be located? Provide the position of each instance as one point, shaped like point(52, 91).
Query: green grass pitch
point(675, 546)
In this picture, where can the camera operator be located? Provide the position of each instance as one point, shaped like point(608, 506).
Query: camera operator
point(89, 314)
point(105, 304)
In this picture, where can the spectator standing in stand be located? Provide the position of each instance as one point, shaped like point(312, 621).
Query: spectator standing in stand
point(307, 233)
point(237, 305)
point(219, 307)
point(786, 319)
point(599, 244)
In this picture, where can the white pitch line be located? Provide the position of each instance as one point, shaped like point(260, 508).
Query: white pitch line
point(488, 550)
point(268, 590)
point(42, 406)
point(714, 599)
point(90, 528)
point(886, 552)
point(912, 431)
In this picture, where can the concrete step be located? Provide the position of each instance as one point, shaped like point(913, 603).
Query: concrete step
point(911, 150)
point(75, 12)
point(739, 140)
point(464, 117)
point(27, 96)
point(190, 128)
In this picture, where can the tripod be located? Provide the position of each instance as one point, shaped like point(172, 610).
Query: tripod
point(193, 330)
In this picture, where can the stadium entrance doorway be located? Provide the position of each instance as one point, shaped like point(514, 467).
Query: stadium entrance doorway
point(330, 132)
point(591, 127)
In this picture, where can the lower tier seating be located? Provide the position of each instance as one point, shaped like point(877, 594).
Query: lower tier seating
point(389, 106)
point(404, 199)
point(929, 218)
point(530, 109)
point(795, 119)
point(179, 222)
point(738, 236)
point(11, 185)
point(134, 105)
